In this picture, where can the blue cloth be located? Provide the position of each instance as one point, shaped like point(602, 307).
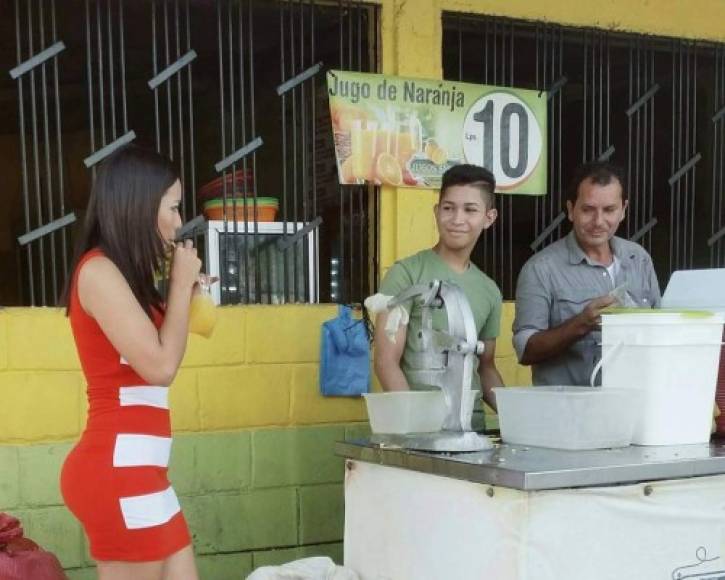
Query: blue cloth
point(344, 356)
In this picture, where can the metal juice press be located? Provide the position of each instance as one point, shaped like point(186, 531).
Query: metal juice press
point(447, 361)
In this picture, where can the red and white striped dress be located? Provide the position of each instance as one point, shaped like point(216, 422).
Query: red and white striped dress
point(115, 479)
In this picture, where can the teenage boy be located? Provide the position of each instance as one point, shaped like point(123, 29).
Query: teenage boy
point(465, 209)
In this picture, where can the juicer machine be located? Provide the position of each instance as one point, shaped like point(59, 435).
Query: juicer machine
point(447, 361)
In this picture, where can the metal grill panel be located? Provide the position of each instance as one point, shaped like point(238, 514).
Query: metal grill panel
point(42, 251)
point(651, 105)
point(225, 88)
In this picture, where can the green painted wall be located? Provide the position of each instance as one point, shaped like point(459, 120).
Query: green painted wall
point(251, 497)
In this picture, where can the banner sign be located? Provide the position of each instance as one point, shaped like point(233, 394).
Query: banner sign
point(407, 132)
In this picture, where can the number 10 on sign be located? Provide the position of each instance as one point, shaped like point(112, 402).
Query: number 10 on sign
point(501, 133)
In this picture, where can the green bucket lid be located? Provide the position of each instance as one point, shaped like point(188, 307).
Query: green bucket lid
point(683, 313)
point(261, 202)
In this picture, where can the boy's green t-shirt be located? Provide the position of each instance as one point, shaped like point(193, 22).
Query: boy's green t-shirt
point(421, 268)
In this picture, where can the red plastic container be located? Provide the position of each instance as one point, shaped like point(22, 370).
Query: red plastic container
point(237, 183)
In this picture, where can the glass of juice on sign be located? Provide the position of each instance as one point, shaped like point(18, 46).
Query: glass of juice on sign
point(384, 141)
point(363, 135)
point(408, 138)
point(202, 313)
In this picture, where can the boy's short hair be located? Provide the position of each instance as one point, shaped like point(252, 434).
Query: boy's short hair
point(599, 173)
point(473, 175)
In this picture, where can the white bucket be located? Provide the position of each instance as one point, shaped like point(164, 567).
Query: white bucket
point(673, 358)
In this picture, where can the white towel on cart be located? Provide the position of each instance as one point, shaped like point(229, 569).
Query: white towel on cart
point(396, 316)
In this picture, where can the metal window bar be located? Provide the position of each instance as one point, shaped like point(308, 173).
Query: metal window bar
point(38, 49)
point(355, 246)
point(236, 82)
point(684, 155)
point(596, 121)
point(717, 226)
point(105, 48)
point(173, 59)
point(642, 97)
point(550, 76)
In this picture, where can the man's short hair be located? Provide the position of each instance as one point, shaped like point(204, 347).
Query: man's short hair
point(473, 175)
point(599, 173)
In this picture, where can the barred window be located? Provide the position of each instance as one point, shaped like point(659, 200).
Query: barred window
point(233, 91)
point(655, 106)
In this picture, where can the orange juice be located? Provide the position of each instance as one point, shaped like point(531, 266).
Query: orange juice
point(405, 145)
point(356, 148)
point(369, 140)
point(408, 137)
point(202, 314)
point(384, 142)
point(362, 149)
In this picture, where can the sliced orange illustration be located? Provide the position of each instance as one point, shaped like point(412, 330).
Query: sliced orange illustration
point(439, 156)
point(430, 146)
point(435, 152)
point(388, 170)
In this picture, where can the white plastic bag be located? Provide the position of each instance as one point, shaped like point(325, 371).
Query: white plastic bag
point(396, 316)
point(317, 568)
point(623, 297)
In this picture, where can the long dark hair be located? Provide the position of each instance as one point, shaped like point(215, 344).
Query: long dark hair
point(122, 220)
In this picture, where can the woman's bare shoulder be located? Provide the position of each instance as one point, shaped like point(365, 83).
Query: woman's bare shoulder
point(98, 269)
point(99, 279)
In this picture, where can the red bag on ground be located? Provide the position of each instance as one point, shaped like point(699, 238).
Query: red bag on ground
point(23, 559)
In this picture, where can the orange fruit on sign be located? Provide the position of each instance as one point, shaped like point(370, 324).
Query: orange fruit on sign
point(430, 146)
point(435, 152)
point(387, 169)
point(439, 156)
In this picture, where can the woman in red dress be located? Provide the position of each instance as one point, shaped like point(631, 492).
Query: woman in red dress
point(130, 345)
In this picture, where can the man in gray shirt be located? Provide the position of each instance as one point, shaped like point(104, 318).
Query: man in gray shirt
point(563, 289)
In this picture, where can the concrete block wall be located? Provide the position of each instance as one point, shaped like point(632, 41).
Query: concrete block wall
point(252, 460)
point(250, 497)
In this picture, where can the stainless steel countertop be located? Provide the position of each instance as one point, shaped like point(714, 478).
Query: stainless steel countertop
point(537, 468)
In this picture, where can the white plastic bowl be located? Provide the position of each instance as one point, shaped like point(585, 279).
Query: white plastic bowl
point(402, 412)
point(567, 417)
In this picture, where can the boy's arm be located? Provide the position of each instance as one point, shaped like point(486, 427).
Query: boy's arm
point(388, 355)
point(488, 373)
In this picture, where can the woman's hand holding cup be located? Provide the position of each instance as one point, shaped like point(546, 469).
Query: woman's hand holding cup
point(186, 264)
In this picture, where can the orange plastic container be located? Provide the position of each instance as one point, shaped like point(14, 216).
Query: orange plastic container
point(267, 208)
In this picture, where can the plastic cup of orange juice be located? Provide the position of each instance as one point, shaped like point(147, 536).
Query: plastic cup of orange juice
point(202, 313)
point(363, 136)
